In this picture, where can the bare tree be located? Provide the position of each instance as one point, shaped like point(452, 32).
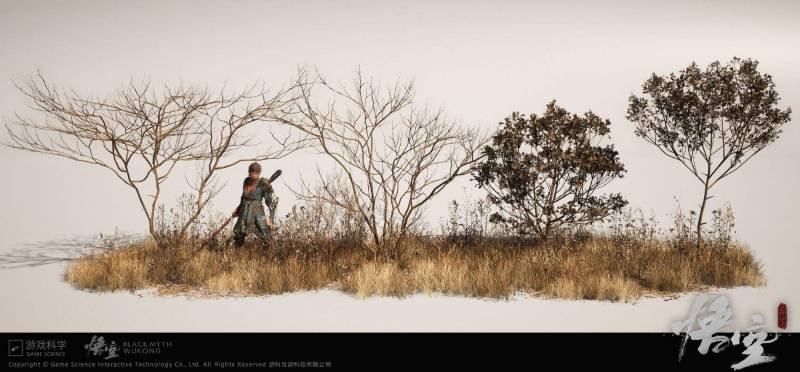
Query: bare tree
point(711, 121)
point(390, 157)
point(223, 125)
point(140, 133)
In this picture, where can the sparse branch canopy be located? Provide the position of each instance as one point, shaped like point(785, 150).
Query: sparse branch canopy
point(545, 172)
point(712, 121)
point(391, 157)
point(141, 134)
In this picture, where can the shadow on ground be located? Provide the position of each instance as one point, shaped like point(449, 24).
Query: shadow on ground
point(45, 252)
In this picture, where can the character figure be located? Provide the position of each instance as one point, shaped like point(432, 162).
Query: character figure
point(250, 212)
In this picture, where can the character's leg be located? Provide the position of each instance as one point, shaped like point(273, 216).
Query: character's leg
point(238, 235)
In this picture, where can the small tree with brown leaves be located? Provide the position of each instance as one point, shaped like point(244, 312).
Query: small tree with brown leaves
point(545, 172)
point(712, 121)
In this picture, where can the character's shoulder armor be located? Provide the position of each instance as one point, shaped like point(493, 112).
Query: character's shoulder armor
point(266, 184)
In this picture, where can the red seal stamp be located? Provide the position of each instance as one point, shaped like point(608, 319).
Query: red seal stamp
point(782, 316)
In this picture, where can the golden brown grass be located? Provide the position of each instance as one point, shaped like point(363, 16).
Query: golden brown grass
point(593, 268)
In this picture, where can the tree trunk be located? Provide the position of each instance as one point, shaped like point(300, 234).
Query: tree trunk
point(700, 216)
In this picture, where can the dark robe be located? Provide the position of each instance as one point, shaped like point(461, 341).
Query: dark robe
point(251, 210)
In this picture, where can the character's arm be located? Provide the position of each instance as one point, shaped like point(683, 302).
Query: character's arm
point(268, 192)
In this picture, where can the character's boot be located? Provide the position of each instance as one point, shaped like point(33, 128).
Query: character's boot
point(238, 241)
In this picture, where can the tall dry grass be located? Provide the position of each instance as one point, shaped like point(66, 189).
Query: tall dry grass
point(621, 263)
point(591, 269)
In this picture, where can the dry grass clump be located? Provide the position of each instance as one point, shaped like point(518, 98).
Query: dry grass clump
point(591, 269)
point(620, 263)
